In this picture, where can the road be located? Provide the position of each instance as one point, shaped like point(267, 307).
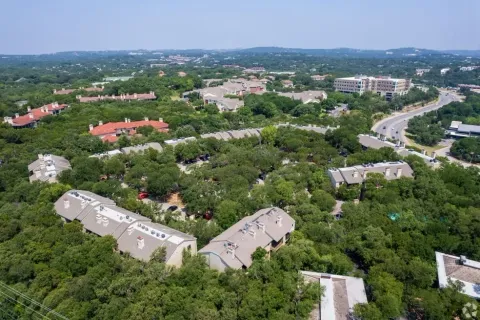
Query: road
point(393, 126)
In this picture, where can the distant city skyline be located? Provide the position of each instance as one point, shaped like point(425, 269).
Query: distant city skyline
point(34, 27)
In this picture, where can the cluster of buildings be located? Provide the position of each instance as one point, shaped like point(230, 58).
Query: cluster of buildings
point(135, 234)
point(47, 167)
point(32, 117)
point(421, 72)
point(318, 77)
point(123, 97)
point(110, 132)
point(234, 87)
point(384, 86)
point(358, 174)
point(369, 141)
point(310, 96)
point(68, 91)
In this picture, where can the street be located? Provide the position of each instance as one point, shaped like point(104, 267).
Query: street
point(393, 126)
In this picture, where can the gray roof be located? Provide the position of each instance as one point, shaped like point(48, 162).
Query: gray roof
point(101, 216)
point(355, 174)
point(466, 271)
point(228, 104)
point(374, 143)
point(153, 236)
point(47, 167)
point(305, 96)
point(341, 294)
point(247, 235)
point(143, 147)
point(468, 128)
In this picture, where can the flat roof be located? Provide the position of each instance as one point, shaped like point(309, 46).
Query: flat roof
point(341, 294)
point(467, 272)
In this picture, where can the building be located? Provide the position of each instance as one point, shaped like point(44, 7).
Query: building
point(421, 72)
point(122, 97)
point(68, 91)
point(305, 96)
point(368, 141)
point(140, 148)
point(268, 228)
point(182, 74)
point(135, 234)
point(318, 77)
point(459, 130)
point(112, 79)
point(47, 167)
point(254, 70)
point(469, 86)
point(384, 86)
point(228, 104)
point(112, 130)
point(459, 269)
point(469, 68)
point(32, 117)
point(287, 83)
point(358, 174)
point(340, 295)
point(444, 71)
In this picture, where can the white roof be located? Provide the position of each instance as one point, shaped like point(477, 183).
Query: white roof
point(468, 273)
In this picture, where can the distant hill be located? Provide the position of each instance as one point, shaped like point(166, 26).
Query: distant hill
point(467, 53)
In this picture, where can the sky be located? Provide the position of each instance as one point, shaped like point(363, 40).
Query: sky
point(47, 26)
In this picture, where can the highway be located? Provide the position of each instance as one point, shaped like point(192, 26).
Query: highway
point(393, 126)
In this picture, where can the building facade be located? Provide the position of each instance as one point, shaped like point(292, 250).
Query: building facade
point(110, 132)
point(33, 116)
point(384, 86)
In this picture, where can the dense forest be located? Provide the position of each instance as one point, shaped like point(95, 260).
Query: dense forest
point(82, 276)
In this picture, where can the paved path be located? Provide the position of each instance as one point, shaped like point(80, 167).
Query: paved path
point(444, 152)
point(393, 126)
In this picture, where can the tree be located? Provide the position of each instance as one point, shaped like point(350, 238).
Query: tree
point(268, 134)
point(323, 200)
point(259, 254)
point(227, 213)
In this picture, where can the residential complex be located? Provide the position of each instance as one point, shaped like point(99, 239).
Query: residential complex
point(32, 117)
point(459, 130)
point(140, 148)
point(68, 91)
point(444, 71)
point(111, 131)
point(384, 86)
point(358, 174)
point(47, 167)
point(306, 96)
point(340, 295)
point(459, 269)
point(268, 228)
point(469, 68)
point(421, 72)
point(318, 77)
point(234, 87)
point(135, 234)
point(122, 97)
point(368, 141)
point(112, 79)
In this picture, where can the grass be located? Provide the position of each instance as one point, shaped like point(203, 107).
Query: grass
point(410, 142)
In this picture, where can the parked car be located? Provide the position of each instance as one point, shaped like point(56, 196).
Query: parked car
point(142, 195)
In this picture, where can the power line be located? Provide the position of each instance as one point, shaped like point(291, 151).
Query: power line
point(32, 301)
point(17, 301)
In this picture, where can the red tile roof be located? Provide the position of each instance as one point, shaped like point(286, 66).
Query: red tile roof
point(112, 127)
point(110, 139)
point(37, 113)
point(122, 97)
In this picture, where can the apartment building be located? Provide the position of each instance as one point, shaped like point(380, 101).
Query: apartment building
point(33, 116)
point(310, 96)
point(68, 91)
point(461, 269)
point(444, 71)
point(268, 228)
point(340, 295)
point(421, 72)
point(135, 234)
point(384, 86)
point(47, 167)
point(110, 132)
point(122, 97)
point(139, 148)
point(358, 174)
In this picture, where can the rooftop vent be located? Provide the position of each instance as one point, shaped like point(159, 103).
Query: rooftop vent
point(463, 259)
point(140, 242)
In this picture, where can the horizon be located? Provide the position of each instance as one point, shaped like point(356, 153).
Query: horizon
point(29, 27)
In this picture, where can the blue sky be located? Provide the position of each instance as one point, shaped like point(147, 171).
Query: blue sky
point(44, 26)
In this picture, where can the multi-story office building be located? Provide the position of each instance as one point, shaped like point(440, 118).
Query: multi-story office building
point(384, 86)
